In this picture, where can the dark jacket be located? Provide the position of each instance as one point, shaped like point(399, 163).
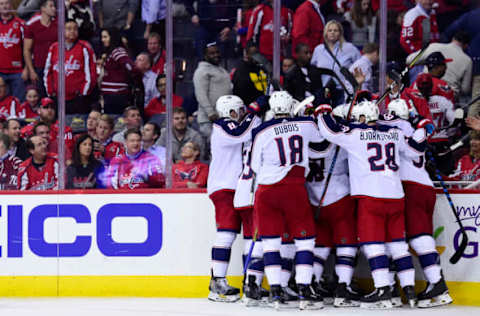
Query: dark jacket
point(21, 151)
point(84, 177)
point(249, 82)
point(296, 84)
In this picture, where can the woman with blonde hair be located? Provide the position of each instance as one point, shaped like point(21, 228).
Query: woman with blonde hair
point(345, 52)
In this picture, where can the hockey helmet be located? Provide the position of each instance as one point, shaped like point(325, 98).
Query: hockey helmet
point(228, 103)
point(367, 109)
point(341, 110)
point(399, 108)
point(281, 102)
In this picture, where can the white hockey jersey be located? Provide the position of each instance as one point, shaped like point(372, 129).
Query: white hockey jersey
point(244, 195)
point(226, 148)
point(321, 156)
point(443, 114)
point(280, 144)
point(412, 170)
point(373, 155)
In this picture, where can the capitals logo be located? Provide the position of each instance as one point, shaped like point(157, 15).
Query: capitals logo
point(71, 65)
point(189, 175)
point(9, 39)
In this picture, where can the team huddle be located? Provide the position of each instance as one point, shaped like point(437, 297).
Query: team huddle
point(310, 181)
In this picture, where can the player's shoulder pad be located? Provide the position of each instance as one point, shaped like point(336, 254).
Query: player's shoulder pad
point(264, 125)
point(234, 128)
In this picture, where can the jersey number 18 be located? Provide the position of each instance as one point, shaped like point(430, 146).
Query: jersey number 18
point(295, 145)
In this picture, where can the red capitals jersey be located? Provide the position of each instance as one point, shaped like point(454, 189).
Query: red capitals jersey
point(157, 105)
point(144, 170)
point(308, 26)
point(9, 166)
point(80, 70)
point(42, 178)
point(11, 45)
point(440, 87)
point(416, 24)
point(196, 172)
point(27, 131)
point(414, 100)
point(117, 69)
point(159, 64)
point(8, 107)
point(468, 169)
point(26, 112)
point(112, 150)
point(260, 27)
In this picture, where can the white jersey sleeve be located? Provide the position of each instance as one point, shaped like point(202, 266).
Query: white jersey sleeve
point(280, 144)
point(244, 195)
point(443, 114)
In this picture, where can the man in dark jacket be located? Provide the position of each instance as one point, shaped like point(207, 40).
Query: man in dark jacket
point(249, 81)
point(303, 79)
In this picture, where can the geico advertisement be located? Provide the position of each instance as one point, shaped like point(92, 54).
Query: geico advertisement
point(449, 236)
point(107, 234)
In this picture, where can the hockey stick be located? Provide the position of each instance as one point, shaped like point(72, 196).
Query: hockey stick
point(463, 245)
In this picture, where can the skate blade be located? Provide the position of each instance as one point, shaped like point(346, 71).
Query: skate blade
point(328, 300)
point(412, 303)
point(250, 302)
point(440, 300)
point(397, 302)
point(342, 302)
point(387, 304)
point(278, 305)
point(216, 297)
point(310, 305)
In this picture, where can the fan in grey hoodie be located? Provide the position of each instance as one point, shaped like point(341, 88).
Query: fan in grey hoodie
point(210, 81)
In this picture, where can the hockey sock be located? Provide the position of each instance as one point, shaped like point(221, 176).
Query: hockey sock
point(287, 251)
point(403, 262)
point(344, 263)
point(256, 265)
point(391, 268)
point(272, 259)
point(320, 255)
point(378, 263)
point(428, 256)
point(304, 260)
point(221, 251)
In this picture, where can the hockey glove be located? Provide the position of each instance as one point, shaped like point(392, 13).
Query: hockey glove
point(322, 109)
point(427, 125)
point(259, 106)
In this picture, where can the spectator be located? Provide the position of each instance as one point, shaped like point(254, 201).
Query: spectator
point(468, 166)
point(287, 63)
point(85, 169)
point(18, 147)
point(40, 171)
point(80, 71)
point(249, 80)
point(40, 32)
point(210, 82)
point(80, 11)
point(153, 14)
point(365, 64)
point(143, 63)
point(28, 110)
point(394, 30)
point(419, 27)
point(11, 40)
point(182, 134)
point(190, 172)
point(92, 122)
point(116, 13)
point(437, 65)
point(8, 103)
point(308, 23)
point(117, 69)
point(303, 79)
point(458, 74)
point(136, 168)
point(9, 165)
point(158, 104)
point(157, 53)
point(132, 120)
point(363, 22)
point(150, 135)
point(260, 29)
point(105, 148)
point(345, 52)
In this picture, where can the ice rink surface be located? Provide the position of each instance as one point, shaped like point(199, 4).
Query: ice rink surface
point(187, 307)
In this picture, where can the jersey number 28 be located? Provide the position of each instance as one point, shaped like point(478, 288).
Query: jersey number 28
point(295, 145)
point(377, 161)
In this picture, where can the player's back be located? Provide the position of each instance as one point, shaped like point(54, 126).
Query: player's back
point(443, 114)
point(279, 145)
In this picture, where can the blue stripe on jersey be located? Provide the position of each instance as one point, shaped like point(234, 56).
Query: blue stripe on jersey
point(272, 122)
point(304, 257)
point(379, 262)
point(420, 147)
point(319, 147)
point(403, 264)
point(234, 128)
point(331, 123)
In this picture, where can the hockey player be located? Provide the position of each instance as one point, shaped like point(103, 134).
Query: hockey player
point(228, 134)
point(280, 161)
point(336, 224)
point(373, 152)
point(420, 199)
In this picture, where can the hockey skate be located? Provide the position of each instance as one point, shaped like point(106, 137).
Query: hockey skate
point(252, 294)
point(434, 295)
point(396, 298)
point(320, 288)
point(276, 298)
point(378, 299)
point(220, 291)
point(409, 292)
point(345, 296)
point(308, 299)
point(290, 297)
